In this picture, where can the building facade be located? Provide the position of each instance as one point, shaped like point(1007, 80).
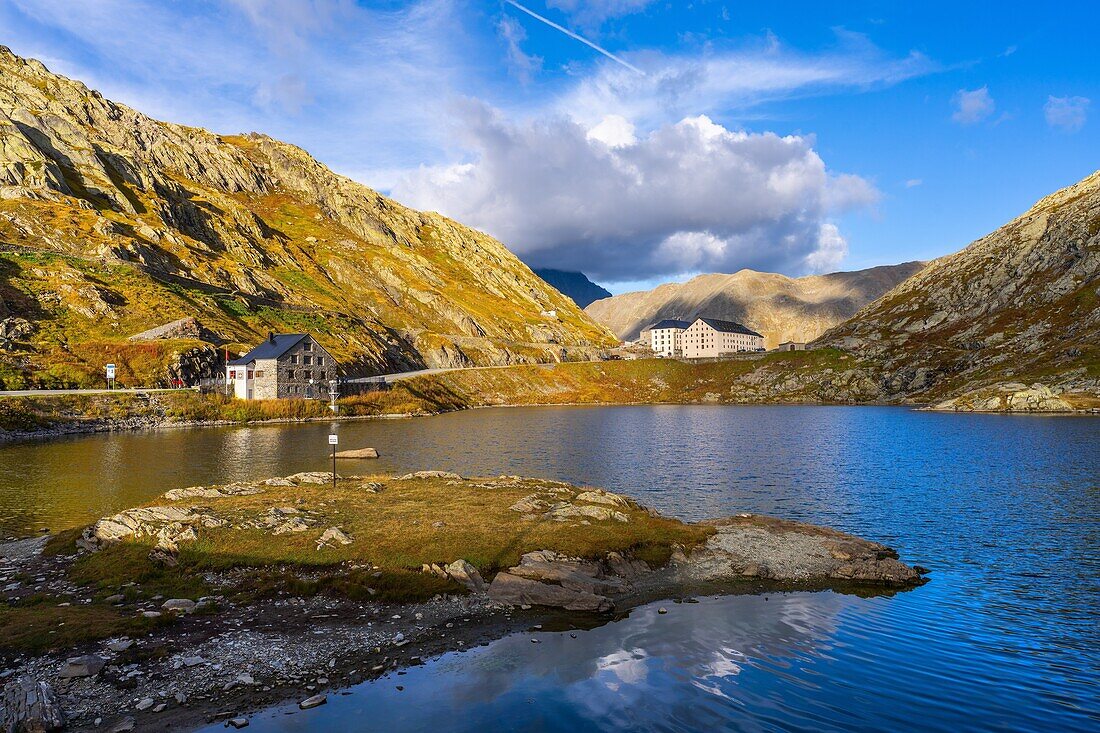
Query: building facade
point(664, 337)
point(284, 366)
point(710, 337)
point(791, 346)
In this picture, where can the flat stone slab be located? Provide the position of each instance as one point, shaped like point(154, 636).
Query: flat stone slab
point(358, 453)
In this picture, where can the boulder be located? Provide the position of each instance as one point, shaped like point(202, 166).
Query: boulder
point(563, 511)
point(430, 474)
point(529, 505)
point(88, 665)
point(30, 706)
point(373, 487)
point(312, 477)
point(583, 576)
point(466, 574)
point(599, 496)
point(332, 537)
point(519, 591)
point(179, 605)
point(294, 524)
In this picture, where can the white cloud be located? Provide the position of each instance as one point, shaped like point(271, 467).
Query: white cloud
point(686, 197)
point(1066, 113)
point(913, 182)
point(592, 14)
point(972, 106)
point(614, 131)
point(713, 82)
point(522, 64)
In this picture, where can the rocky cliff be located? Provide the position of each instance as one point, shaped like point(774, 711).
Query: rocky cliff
point(1010, 322)
point(779, 307)
point(112, 223)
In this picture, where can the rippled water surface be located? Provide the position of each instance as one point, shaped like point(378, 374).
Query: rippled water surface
point(1004, 510)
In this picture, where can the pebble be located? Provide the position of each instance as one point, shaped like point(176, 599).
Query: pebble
point(144, 704)
point(662, 610)
point(238, 722)
point(312, 702)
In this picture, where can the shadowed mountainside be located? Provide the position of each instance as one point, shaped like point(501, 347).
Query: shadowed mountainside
point(574, 285)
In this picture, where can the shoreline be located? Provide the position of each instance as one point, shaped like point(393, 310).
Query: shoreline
point(229, 654)
point(92, 426)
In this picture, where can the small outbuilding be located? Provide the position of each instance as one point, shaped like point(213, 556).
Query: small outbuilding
point(284, 366)
point(791, 346)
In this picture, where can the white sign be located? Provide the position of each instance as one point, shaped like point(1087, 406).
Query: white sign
point(110, 371)
point(333, 439)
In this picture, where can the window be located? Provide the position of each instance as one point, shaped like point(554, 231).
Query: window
point(308, 346)
point(322, 373)
point(259, 373)
point(293, 358)
point(320, 360)
point(307, 359)
point(290, 374)
point(250, 374)
point(232, 373)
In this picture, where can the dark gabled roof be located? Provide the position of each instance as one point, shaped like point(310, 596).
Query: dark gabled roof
point(272, 347)
point(728, 327)
point(669, 323)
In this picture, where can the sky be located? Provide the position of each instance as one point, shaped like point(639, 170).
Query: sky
point(638, 141)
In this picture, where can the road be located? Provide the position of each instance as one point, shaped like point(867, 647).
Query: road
point(377, 379)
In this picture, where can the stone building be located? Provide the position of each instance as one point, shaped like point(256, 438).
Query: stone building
point(664, 337)
point(284, 366)
point(710, 337)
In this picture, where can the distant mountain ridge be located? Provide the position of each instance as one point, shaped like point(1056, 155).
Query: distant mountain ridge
point(113, 223)
point(574, 285)
point(779, 307)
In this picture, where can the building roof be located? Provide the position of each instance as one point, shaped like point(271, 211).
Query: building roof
point(728, 327)
point(274, 346)
point(669, 323)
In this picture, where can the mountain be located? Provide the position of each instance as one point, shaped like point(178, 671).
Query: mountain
point(779, 307)
point(574, 285)
point(1018, 307)
point(112, 223)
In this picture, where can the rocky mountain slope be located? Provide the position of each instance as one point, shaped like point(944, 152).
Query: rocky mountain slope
point(112, 223)
point(779, 307)
point(1010, 322)
point(575, 285)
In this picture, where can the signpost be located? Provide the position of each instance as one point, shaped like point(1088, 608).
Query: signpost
point(333, 393)
point(110, 376)
point(333, 440)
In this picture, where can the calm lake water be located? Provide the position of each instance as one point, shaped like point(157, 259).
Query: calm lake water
point(1005, 510)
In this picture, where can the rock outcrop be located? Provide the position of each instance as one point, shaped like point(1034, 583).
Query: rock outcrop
point(30, 706)
point(779, 307)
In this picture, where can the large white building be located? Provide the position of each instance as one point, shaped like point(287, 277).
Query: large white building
point(664, 337)
point(709, 337)
point(701, 338)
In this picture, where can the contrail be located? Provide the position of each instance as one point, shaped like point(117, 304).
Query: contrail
point(574, 36)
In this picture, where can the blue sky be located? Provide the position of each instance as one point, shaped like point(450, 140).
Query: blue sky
point(681, 138)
